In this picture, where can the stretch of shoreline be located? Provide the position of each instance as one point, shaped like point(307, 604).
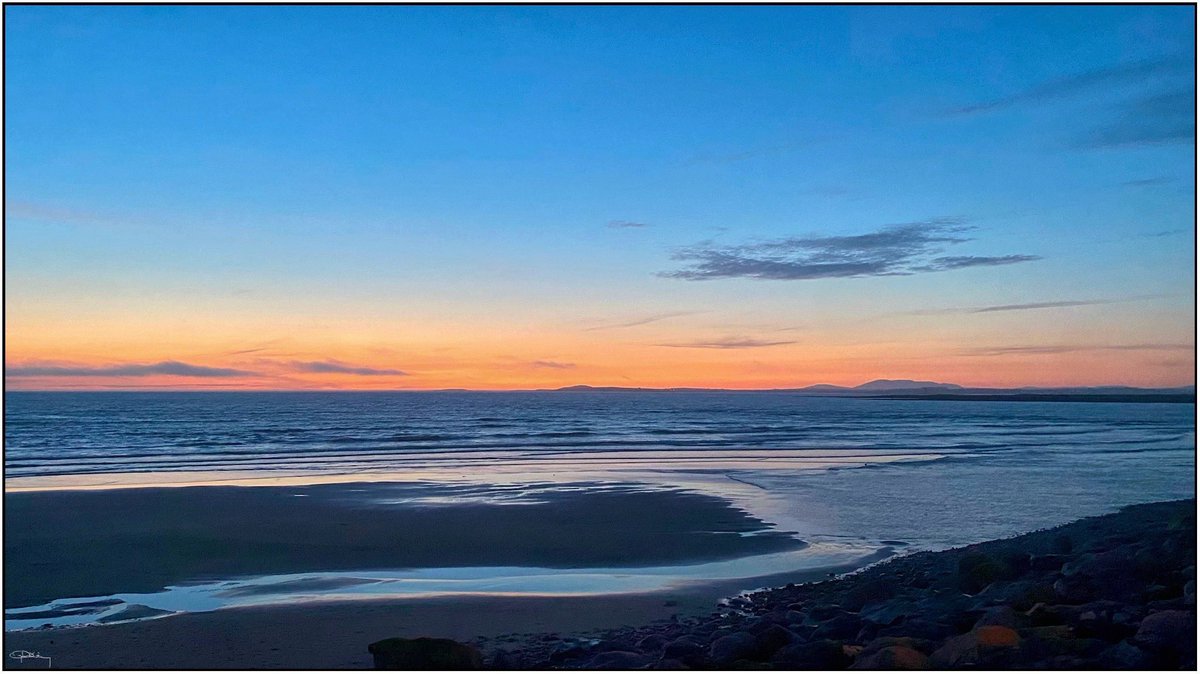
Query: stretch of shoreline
point(1115, 591)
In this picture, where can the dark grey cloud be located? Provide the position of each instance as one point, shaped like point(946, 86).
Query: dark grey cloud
point(168, 367)
point(728, 343)
point(626, 224)
point(338, 367)
point(1160, 119)
point(1073, 348)
point(895, 250)
point(1100, 79)
point(653, 318)
point(552, 365)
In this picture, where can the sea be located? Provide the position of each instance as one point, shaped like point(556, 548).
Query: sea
point(854, 472)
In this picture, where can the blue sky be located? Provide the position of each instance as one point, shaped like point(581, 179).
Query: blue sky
point(374, 165)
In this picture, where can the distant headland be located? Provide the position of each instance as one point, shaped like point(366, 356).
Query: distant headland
point(908, 389)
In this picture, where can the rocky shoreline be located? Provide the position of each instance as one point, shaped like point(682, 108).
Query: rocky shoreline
point(1110, 592)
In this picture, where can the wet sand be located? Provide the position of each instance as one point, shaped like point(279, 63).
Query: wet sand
point(62, 544)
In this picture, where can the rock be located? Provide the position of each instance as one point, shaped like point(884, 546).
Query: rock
point(976, 571)
point(1048, 562)
point(1172, 631)
point(651, 643)
point(669, 665)
point(821, 613)
point(424, 653)
point(823, 654)
point(1126, 656)
point(564, 652)
point(618, 660)
point(1062, 544)
point(892, 657)
point(682, 648)
point(840, 627)
point(888, 612)
point(772, 639)
point(736, 646)
point(866, 592)
point(881, 643)
point(918, 629)
point(1002, 615)
point(1023, 594)
point(989, 646)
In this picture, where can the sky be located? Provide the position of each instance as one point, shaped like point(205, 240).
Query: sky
point(390, 197)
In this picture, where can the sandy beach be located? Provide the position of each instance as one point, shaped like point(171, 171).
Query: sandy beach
point(65, 544)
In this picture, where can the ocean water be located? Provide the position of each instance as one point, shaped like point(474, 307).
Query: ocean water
point(847, 475)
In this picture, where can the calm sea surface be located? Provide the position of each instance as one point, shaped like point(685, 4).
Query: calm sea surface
point(940, 472)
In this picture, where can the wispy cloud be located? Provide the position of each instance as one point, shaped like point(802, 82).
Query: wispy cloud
point(338, 367)
point(1072, 348)
point(1028, 306)
point(552, 365)
point(626, 224)
point(1165, 232)
point(643, 320)
point(728, 343)
point(895, 250)
point(1135, 72)
point(1154, 120)
point(166, 367)
point(1148, 182)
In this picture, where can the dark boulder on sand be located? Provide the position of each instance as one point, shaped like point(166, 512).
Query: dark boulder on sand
point(424, 653)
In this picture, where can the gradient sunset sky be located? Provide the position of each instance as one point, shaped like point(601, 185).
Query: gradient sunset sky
point(525, 197)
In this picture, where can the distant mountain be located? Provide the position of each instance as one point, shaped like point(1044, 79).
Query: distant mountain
point(903, 384)
point(932, 390)
point(817, 388)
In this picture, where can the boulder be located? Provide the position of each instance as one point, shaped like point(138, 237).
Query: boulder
point(892, 657)
point(840, 627)
point(424, 653)
point(989, 646)
point(1002, 615)
point(772, 639)
point(736, 646)
point(1126, 656)
point(1173, 631)
point(683, 648)
point(651, 643)
point(823, 654)
point(618, 660)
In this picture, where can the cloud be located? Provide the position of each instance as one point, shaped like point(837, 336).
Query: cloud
point(166, 367)
point(1160, 119)
point(1073, 348)
point(729, 343)
point(891, 251)
point(338, 367)
point(552, 364)
point(1148, 182)
point(1165, 232)
point(1134, 72)
point(626, 224)
point(1028, 306)
point(1037, 305)
point(653, 318)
